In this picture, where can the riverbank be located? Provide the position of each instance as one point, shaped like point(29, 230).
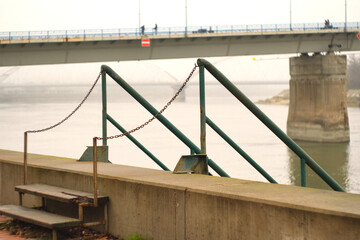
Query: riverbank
point(283, 98)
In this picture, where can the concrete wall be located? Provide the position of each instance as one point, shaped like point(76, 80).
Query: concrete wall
point(318, 107)
point(162, 205)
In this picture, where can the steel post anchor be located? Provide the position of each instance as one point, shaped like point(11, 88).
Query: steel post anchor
point(192, 164)
point(102, 154)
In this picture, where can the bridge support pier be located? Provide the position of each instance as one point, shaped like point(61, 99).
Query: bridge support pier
point(318, 107)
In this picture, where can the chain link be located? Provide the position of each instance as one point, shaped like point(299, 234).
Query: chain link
point(157, 114)
point(77, 108)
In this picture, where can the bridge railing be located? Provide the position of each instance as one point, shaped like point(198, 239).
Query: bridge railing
point(163, 31)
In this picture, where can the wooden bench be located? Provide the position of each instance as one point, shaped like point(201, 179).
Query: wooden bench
point(51, 220)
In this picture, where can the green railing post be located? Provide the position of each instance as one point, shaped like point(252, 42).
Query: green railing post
point(202, 110)
point(303, 172)
point(104, 107)
point(270, 124)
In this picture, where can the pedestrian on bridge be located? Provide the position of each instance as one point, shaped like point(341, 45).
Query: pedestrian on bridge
point(155, 28)
point(142, 29)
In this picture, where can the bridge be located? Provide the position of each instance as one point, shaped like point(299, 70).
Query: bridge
point(79, 46)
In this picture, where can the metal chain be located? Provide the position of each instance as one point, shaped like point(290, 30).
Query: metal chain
point(157, 114)
point(77, 108)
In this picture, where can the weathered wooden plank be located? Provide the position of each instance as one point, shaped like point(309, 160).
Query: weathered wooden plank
point(38, 217)
point(58, 193)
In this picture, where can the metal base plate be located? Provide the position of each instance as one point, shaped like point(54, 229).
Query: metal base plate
point(189, 164)
point(102, 154)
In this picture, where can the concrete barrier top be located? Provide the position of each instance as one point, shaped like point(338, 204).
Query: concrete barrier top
point(307, 199)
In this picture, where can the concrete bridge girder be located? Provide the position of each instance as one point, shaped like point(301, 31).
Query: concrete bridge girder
point(37, 53)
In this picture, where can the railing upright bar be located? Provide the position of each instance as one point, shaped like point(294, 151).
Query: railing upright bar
point(104, 108)
point(161, 118)
point(202, 110)
point(137, 143)
point(25, 157)
point(303, 172)
point(271, 125)
point(95, 172)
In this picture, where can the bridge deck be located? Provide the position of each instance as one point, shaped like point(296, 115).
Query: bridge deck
point(174, 35)
point(19, 52)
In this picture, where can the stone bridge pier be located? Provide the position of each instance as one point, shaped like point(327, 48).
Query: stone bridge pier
point(318, 107)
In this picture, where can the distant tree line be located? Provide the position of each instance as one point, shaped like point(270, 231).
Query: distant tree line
point(353, 72)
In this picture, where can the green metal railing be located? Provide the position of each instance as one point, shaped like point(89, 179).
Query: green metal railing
point(203, 64)
point(107, 70)
point(304, 157)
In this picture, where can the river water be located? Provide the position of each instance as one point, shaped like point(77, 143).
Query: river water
point(36, 108)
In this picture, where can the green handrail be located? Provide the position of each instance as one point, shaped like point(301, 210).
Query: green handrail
point(271, 125)
point(107, 70)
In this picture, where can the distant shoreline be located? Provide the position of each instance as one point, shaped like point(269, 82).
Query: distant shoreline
point(353, 98)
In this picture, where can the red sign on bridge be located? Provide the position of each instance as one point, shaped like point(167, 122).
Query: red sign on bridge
point(145, 42)
point(358, 36)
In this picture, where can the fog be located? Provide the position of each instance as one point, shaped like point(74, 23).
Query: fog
point(237, 69)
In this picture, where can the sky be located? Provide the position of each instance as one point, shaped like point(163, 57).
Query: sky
point(32, 15)
point(28, 15)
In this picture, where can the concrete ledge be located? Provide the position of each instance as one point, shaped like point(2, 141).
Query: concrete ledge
point(162, 205)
